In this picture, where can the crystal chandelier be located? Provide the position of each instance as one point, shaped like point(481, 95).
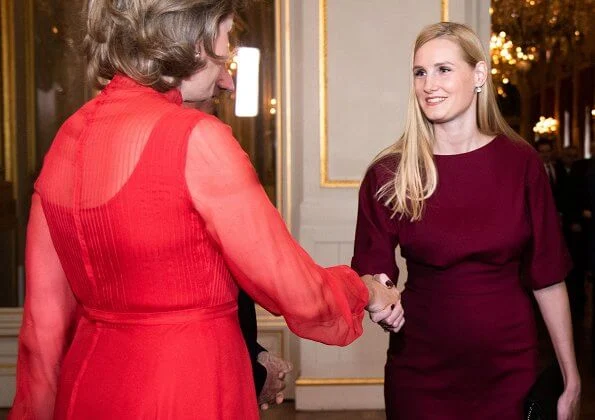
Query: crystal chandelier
point(506, 59)
point(546, 127)
point(525, 31)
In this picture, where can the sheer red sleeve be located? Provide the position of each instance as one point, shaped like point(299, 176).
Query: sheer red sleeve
point(322, 304)
point(48, 316)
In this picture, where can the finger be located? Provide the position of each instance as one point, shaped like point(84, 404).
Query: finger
point(380, 315)
point(279, 398)
point(288, 367)
point(264, 407)
point(397, 320)
point(280, 386)
point(395, 326)
point(399, 323)
point(384, 280)
point(398, 327)
point(396, 313)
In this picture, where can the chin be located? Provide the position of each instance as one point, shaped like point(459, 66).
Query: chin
point(435, 117)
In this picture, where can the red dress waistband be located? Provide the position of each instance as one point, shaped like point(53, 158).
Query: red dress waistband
point(161, 318)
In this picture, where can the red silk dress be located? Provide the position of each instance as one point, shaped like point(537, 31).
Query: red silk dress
point(145, 219)
point(468, 349)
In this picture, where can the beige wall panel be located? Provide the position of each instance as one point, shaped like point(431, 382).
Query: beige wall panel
point(368, 72)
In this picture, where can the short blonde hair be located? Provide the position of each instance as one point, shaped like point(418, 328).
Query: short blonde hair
point(151, 41)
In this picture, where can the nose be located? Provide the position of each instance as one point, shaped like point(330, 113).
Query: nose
point(429, 84)
point(225, 81)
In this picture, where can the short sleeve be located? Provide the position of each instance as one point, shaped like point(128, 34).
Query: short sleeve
point(547, 258)
point(322, 304)
point(376, 233)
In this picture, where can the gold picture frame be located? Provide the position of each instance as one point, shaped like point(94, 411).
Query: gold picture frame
point(339, 381)
point(325, 179)
point(8, 87)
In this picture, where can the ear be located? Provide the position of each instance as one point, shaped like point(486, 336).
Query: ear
point(481, 73)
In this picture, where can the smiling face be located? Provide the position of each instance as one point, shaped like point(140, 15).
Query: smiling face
point(213, 77)
point(444, 82)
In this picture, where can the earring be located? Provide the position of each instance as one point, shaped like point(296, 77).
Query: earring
point(477, 89)
point(197, 54)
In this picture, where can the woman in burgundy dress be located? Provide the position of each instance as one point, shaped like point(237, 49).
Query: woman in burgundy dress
point(470, 206)
point(145, 220)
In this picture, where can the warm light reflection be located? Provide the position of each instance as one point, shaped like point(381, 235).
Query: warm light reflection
point(248, 61)
point(546, 126)
point(507, 59)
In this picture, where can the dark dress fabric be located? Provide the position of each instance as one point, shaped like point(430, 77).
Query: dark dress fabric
point(490, 233)
point(577, 199)
point(249, 327)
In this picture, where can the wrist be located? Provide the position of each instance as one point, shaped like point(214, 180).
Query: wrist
point(368, 281)
point(572, 380)
point(573, 384)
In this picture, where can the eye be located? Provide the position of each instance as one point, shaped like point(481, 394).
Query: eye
point(444, 69)
point(419, 73)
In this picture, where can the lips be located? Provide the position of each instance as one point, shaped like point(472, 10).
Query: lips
point(434, 100)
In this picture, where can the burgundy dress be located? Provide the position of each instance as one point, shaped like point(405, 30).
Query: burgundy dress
point(468, 349)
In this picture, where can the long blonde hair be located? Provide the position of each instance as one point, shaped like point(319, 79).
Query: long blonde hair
point(416, 177)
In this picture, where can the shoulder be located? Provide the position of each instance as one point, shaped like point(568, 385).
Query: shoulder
point(212, 141)
point(382, 170)
point(208, 122)
point(71, 130)
point(521, 154)
point(201, 127)
point(210, 131)
point(524, 157)
point(519, 149)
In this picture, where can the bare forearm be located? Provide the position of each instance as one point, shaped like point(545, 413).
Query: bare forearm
point(554, 307)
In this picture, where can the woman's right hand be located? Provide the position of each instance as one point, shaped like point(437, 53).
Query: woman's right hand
point(384, 304)
point(570, 401)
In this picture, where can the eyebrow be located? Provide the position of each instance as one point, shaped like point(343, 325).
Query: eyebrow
point(435, 65)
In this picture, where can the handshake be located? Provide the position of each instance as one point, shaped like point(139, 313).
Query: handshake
point(384, 307)
point(384, 304)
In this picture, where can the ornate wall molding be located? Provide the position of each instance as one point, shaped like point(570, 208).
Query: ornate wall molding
point(10, 322)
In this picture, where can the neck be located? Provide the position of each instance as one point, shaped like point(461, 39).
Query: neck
point(456, 137)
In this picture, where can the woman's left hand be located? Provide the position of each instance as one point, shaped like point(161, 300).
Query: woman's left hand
point(569, 403)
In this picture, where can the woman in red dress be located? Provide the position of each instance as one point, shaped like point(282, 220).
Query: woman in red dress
point(145, 219)
point(470, 205)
